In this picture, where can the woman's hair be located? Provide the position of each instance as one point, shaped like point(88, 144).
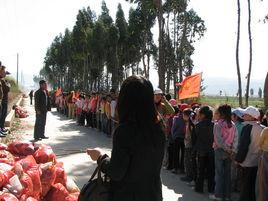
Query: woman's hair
point(188, 112)
point(225, 112)
point(176, 109)
point(136, 102)
point(207, 112)
point(168, 97)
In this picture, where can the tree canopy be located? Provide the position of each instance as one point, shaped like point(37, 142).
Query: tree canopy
point(99, 52)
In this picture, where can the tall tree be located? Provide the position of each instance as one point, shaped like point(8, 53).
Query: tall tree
point(99, 53)
point(107, 22)
point(237, 54)
point(112, 56)
point(157, 7)
point(250, 52)
point(161, 63)
point(133, 52)
point(121, 25)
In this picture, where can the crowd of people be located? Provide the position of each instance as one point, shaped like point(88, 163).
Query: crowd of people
point(4, 90)
point(95, 110)
point(223, 147)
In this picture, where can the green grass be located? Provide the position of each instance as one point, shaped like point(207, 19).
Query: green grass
point(14, 87)
point(215, 101)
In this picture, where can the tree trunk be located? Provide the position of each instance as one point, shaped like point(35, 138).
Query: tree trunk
point(144, 64)
point(183, 38)
point(168, 81)
point(148, 65)
point(180, 70)
point(161, 64)
point(265, 92)
point(237, 55)
point(175, 80)
point(250, 52)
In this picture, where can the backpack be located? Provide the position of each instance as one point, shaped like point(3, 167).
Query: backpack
point(96, 189)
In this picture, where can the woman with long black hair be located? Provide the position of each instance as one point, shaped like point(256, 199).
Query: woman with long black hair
point(138, 145)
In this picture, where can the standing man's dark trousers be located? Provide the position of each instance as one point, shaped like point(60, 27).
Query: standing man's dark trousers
point(178, 154)
point(31, 100)
point(40, 123)
point(3, 115)
point(205, 164)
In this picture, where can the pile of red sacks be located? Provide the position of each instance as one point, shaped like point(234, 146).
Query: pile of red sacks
point(30, 172)
point(20, 112)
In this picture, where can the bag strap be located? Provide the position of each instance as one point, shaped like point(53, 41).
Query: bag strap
point(97, 171)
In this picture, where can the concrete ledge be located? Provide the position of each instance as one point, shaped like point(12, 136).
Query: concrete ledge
point(11, 115)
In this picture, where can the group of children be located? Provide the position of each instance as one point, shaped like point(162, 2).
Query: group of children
point(226, 147)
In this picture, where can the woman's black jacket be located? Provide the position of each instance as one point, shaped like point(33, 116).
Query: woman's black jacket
point(135, 163)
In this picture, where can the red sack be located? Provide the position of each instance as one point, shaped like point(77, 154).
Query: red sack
point(4, 177)
point(27, 198)
point(27, 163)
point(47, 178)
point(44, 154)
point(7, 157)
point(27, 184)
point(61, 176)
point(72, 197)
point(21, 148)
point(8, 197)
point(34, 173)
point(31, 199)
point(57, 192)
point(20, 113)
point(3, 146)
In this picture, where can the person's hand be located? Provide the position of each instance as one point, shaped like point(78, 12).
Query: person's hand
point(38, 112)
point(94, 153)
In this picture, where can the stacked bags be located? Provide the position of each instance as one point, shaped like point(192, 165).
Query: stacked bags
point(31, 172)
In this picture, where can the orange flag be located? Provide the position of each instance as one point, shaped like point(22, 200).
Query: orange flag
point(58, 92)
point(190, 86)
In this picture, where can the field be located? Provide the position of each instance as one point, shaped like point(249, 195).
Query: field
point(233, 101)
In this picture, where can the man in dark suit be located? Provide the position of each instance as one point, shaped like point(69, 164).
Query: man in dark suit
point(42, 106)
point(5, 89)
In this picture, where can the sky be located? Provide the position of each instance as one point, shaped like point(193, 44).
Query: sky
point(29, 26)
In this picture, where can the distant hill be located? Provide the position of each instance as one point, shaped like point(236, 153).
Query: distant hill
point(228, 86)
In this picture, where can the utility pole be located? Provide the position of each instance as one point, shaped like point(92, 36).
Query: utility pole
point(17, 68)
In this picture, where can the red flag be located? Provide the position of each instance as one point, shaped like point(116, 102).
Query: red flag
point(190, 86)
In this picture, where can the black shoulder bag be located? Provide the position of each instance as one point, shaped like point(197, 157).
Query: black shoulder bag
point(96, 189)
